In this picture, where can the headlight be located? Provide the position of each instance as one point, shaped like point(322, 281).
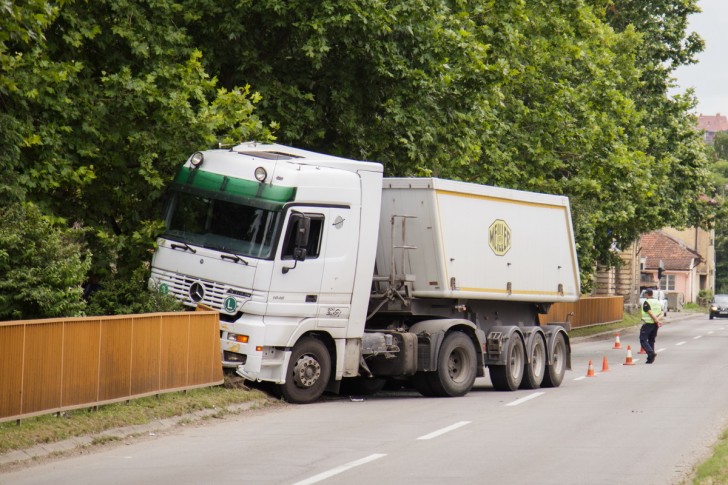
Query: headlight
point(196, 159)
point(260, 174)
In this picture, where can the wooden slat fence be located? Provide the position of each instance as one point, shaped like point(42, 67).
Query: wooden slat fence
point(589, 310)
point(55, 365)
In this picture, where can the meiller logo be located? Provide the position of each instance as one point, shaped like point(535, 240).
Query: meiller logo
point(499, 237)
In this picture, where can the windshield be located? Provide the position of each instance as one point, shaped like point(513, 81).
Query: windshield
point(722, 299)
point(224, 225)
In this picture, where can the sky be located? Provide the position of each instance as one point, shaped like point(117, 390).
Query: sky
point(709, 77)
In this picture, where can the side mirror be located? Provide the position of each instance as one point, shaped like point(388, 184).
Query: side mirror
point(302, 225)
point(302, 230)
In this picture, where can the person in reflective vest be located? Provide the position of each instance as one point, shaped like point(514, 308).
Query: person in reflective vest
point(651, 313)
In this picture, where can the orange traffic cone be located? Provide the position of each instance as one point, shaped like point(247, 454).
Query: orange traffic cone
point(642, 350)
point(629, 356)
point(590, 371)
point(605, 364)
point(617, 345)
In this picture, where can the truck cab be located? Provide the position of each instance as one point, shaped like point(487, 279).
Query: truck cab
point(232, 241)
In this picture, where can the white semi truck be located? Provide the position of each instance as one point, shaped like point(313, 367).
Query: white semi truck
point(324, 273)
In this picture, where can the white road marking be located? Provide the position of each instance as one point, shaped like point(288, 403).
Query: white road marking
point(710, 333)
point(524, 399)
point(660, 350)
point(340, 469)
point(697, 337)
point(580, 378)
point(442, 431)
point(681, 343)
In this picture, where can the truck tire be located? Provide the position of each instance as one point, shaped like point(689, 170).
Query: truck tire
point(457, 366)
point(309, 371)
point(508, 377)
point(533, 372)
point(421, 382)
point(555, 372)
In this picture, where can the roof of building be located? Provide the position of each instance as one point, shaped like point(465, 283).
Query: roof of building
point(713, 123)
point(657, 245)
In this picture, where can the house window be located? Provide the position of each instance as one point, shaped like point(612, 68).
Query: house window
point(667, 282)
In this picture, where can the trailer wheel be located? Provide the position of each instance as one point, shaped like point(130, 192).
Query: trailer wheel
point(456, 366)
point(508, 377)
point(533, 373)
point(555, 372)
point(308, 372)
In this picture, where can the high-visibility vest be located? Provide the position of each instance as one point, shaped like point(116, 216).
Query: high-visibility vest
point(656, 308)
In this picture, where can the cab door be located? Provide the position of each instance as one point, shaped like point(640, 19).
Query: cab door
point(296, 284)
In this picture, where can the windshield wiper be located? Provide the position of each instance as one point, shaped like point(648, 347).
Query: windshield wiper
point(183, 245)
point(234, 258)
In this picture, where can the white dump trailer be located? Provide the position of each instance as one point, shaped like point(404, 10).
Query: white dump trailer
point(327, 274)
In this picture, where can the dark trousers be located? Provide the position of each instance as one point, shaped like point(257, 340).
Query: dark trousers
point(648, 333)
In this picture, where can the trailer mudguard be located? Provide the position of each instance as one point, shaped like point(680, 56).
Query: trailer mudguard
point(430, 334)
point(552, 333)
point(496, 339)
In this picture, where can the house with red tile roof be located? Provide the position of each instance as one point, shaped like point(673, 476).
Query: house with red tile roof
point(687, 259)
point(712, 125)
point(678, 262)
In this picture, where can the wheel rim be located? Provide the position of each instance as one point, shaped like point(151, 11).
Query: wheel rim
point(306, 371)
point(516, 361)
point(457, 365)
point(538, 360)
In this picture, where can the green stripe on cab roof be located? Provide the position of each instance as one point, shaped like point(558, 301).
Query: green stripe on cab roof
point(214, 182)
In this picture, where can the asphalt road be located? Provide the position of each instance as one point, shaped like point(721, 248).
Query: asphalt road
point(639, 424)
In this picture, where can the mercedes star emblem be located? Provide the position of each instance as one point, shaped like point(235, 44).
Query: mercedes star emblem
point(197, 292)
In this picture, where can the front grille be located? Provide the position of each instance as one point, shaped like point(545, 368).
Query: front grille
point(180, 285)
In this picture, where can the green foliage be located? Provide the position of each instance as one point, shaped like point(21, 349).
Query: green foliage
point(566, 96)
point(43, 266)
point(122, 296)
point(720, 145)
point(102, 101)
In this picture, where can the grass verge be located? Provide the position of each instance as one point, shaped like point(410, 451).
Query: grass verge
point(714, 470)
point(87, 422)
point(630, 320)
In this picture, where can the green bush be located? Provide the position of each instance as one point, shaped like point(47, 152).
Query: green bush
point(43, 265)
point(124, 295)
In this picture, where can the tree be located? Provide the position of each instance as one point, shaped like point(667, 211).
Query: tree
point(102, 101)
point(564, 96)
point(720, 145)
point(43, 266)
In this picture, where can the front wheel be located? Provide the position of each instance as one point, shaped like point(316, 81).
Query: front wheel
point(309, 371)
point(509, 376)
point(555, 372)
point(457, 366)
